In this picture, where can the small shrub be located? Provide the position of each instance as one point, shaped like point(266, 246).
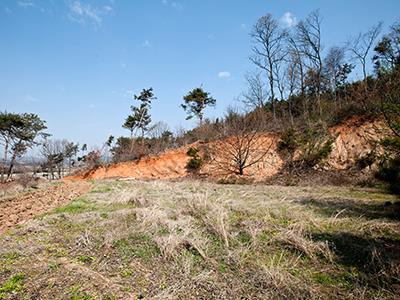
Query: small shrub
point(196, 161)
point(288, 141)
point(319, 153)
point(389, 172)
point(192, 152)
point(389, 168)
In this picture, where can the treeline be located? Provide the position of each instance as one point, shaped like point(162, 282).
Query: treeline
point(20, 133)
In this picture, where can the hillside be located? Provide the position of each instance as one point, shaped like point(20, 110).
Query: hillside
point(352, 140)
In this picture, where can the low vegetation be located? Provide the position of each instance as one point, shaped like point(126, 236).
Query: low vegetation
point(180, 240)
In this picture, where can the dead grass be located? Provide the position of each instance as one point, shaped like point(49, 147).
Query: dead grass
point(196, 240)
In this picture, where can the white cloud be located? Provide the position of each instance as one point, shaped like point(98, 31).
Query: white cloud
point(82, 13)
point(26, 3)
point(173, 4)
point(8, 11)
point(243, 26)
point(146, 44)
point(107, 8)
point(288, 19)
point(177, 5)
point(224, 74)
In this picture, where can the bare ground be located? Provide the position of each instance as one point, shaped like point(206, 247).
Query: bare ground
point(19, 208)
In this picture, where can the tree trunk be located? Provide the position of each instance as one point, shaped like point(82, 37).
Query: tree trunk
point(11, 165)
point(3, 167)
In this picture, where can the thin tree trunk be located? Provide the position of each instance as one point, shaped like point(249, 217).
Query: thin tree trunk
point(11, 165)
point(3, 167)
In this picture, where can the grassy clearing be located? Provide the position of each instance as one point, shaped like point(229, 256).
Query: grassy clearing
point(180, 240)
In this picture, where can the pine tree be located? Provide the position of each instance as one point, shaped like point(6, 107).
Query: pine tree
point(195, 103)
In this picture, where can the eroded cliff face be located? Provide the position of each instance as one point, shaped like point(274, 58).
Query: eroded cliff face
point(352, 140)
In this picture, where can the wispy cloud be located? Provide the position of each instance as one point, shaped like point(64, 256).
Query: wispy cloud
point(83, 13)
point(8, 10)
point(224, 74)
point(243, 26)
point(288, 19)
point(173, 4)
point(146, 44)
point(25, 3)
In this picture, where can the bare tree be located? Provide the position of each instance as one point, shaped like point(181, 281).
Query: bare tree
point(55, 153)
point(256, 95)
point(333, 63)
point(292, 82)
point(308, 39)
point(268, 50)
point(241, 145)
point(296, 73)
point(362, 44)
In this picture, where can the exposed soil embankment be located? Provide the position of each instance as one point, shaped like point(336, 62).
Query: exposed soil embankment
point(352, 140)
point(169, 165)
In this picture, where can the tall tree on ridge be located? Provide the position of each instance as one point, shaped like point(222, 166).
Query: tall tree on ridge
point(268, 39)
point(195, 102)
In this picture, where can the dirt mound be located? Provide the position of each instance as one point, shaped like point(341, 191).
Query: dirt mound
point(353, 139)
point(20, 208)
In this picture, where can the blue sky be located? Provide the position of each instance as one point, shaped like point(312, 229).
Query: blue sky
point(76, 63)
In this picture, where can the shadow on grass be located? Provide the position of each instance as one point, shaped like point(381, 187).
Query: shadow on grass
point(354, 208)
point(377, 260)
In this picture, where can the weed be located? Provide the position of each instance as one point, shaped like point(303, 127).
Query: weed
point(85, 259)
point(12, 285)
point(127, 272)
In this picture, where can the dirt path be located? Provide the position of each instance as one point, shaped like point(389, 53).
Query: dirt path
point(21, 208)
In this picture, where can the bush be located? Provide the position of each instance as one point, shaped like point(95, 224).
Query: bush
point(192, 152)
point(196, 161)
point(389, 168)
point(389, 172)
point(288, 141)
point(316, 155)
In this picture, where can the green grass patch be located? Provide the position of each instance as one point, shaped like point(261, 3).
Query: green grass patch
point(77, 206)
point(137, 245)
point(102, 189)
point(85, 259)
point(13, 285)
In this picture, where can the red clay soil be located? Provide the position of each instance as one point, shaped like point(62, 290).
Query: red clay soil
point(353, 138)
point(169, 165)
point(22, 207)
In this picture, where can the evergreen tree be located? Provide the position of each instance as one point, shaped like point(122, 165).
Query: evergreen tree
point(195, 103)
point(140, 117)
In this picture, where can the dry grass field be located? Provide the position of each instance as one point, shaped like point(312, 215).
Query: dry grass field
point(198, 240)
